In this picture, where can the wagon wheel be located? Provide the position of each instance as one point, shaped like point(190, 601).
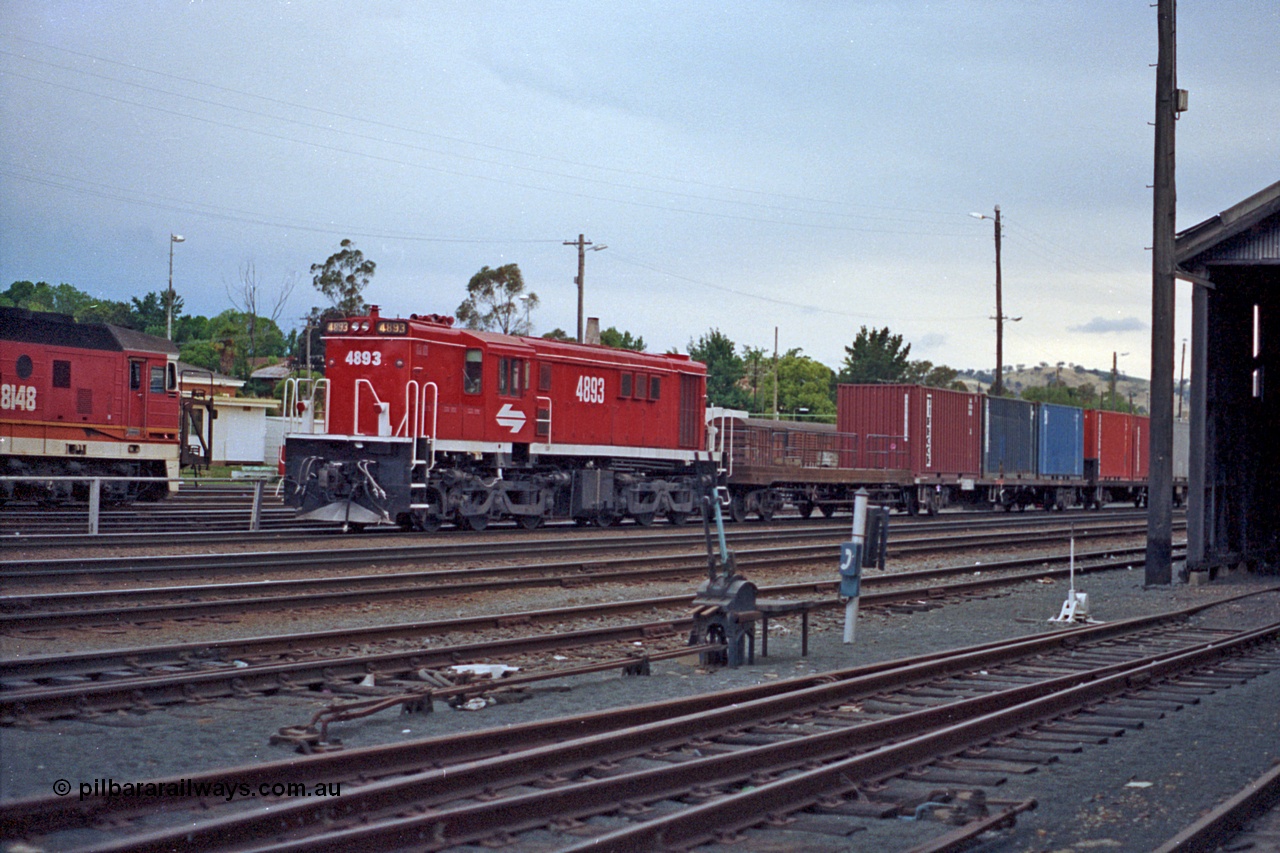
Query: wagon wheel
point(827, 510)
point(529, 522)
point(805, 509)
point(677, 518)
point(644, 519)
point(738, 508)
point(476, 522)
point(765, 513)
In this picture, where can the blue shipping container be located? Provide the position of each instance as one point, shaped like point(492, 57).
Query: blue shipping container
point(1061, 441)
point(1008, 438)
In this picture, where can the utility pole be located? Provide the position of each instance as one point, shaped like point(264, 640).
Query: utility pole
point(775, 373)
point(1159, 566)
point(1182, 372)
point(582, 245)
point(997, 388)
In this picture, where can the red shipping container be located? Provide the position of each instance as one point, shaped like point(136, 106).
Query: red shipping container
point(931, 432)
point(1141, 443)
point(1109, 438)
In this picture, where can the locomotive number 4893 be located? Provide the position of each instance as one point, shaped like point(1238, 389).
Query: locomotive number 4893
point(364, 356)
point(591, 389)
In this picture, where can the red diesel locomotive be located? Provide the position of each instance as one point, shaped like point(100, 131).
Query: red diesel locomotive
point(85, 399)
point(427, 423)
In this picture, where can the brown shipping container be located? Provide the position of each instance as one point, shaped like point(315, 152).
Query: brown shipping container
point(1108, 437)
point(931, 432)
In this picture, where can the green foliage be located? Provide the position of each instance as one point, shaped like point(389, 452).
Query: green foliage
point(758, 378)
point(203, 354)
point(724, 369)
point(876, 355)
point(496, 301)
point(559, 334)
point(343, 277)
point(611, 337)
point(806, 388)
point(935, 376)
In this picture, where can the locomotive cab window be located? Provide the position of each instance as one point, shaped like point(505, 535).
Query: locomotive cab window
point(173, 376)
point(624, 389)
point(655, 387)
point(473, 372)
point(61, 374)
point(642, 384)
point(512, 376)
point(157, 380)
point(544, 377)
point(135, 375)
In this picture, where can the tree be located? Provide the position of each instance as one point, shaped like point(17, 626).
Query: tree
point(934, 376)
point(343, 277)
point(250, 299)
point(876, 356)
point(724, 369)
point(758, 375)
point(559, 334)
point(496, 301)
point(806, 388)
point(611, 337)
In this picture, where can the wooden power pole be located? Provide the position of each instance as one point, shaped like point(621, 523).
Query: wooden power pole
point(1159, 568)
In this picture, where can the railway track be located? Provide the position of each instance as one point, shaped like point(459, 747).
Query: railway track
point(215, 519)
point(88, 683)
point(928, 738)
point(53, 610)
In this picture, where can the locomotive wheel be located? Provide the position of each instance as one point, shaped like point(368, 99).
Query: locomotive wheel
point(608, 519)
point(738, 509)
point(476, 522)
point(677, 518)
point(828, 510)
point(805, 509)
point(429, 522)
point(765, 514)
point(644, 519)
point(529, 522)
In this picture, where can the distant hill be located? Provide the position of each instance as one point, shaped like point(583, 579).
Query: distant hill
point(1020, 376)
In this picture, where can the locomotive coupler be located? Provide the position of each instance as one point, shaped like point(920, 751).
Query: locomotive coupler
point(724, 609)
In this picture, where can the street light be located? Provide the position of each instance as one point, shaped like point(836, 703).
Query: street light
point(997, 387)
point(525, 298)
point(168, 310)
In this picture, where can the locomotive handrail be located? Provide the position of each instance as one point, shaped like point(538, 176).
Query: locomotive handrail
point(384, 410)
point(539, 419)
point(415, 402)
point(293, 391)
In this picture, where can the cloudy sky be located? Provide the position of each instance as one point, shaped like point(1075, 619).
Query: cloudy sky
point(807, 166)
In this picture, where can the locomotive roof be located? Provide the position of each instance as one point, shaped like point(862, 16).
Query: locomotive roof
point(43, 327)
point(568, 349)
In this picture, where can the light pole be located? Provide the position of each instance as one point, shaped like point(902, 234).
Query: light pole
point(997, 387)
point(524, 297)
point(582, 245)
point(168, 308)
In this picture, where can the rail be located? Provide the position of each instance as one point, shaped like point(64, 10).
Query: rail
point(95, 492)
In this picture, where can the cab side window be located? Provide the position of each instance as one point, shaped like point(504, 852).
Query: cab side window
point(473, 372)
point(157, 380)
point(513, 376)
point(135, 375)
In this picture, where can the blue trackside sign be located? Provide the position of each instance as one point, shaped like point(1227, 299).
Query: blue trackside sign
point(850, 569)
